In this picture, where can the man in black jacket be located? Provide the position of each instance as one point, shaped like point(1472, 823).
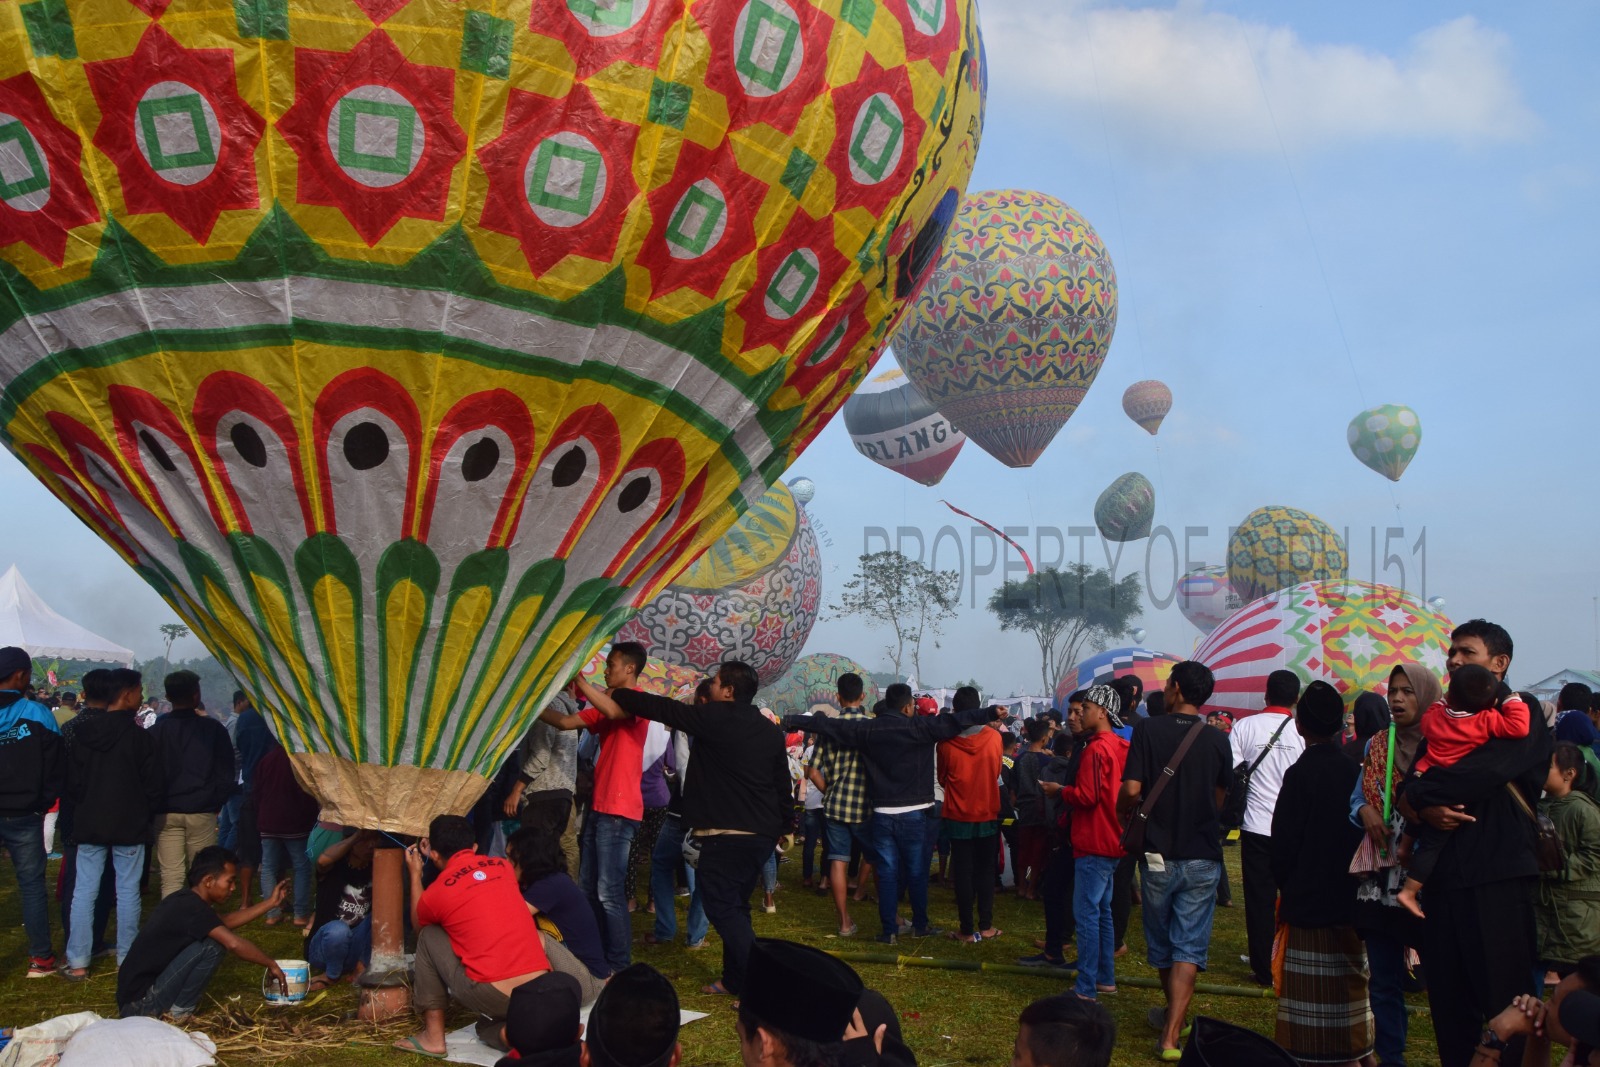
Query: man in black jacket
point(96, 695)
point(898, 748)
point(113, 783)
point(736, 796)
point(31, 773)
point(1479, 936)
point(198, 776)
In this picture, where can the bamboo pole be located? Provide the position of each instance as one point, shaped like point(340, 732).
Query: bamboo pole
point(944, 964)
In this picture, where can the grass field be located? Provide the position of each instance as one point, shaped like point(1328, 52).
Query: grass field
point(949, 1017)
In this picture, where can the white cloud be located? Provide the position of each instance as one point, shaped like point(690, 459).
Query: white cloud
point(1202, 82)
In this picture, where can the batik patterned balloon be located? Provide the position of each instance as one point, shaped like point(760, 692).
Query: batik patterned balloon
point(659, 677)
point(1011, 330)
point(1350, 634)
point(1386, 438)
point(1126, 508)
point(1147, 403)
point(1205, 598)
point(1152, 668)
point(753, 596)
point(812, 685)
point(405, 347)
point(1276, 547)
point(892, 425)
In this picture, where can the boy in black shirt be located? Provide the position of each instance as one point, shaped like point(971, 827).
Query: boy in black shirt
point(341, 931)
point(183, 940)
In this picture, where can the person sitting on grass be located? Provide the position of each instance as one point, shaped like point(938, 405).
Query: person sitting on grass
point(566, 921)
point(183, 940)
point(476, 941)
point(341, 930)
point(1064, 1031)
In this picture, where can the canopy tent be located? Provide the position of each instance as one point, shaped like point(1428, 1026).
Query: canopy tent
point(29, 623)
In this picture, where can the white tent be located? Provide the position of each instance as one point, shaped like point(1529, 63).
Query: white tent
point(29, 623)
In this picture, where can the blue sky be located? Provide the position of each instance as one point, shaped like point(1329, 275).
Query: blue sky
point(1424, 174)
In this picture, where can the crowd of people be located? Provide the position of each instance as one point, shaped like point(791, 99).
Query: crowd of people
point(1447, 832)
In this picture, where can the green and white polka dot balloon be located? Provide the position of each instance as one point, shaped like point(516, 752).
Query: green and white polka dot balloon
point(1386, 438)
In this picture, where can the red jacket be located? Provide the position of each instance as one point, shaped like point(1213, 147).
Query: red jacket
point(969, 771)
point(1092, 796)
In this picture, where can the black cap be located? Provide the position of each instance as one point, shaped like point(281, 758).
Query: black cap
point(1580, 1016)
point(1321, 709)
point(800, 990)
point(14, 659)
point(634, 1022)
point(543, 1014)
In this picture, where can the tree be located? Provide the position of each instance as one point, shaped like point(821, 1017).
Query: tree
point(172, 631)
point(1065, 610)
point(894, 592)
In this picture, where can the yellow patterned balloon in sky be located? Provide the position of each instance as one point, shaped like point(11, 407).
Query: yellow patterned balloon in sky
point(405, 346)
point(1012, 328)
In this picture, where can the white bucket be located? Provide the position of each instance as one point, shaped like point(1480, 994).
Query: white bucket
point(298, 973)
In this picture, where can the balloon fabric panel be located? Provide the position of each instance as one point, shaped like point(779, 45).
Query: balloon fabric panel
point(406, 347)
point(1151, 667)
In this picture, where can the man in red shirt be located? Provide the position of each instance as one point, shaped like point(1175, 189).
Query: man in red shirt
point(1096, 838)
point(476, 939)
point(618, 806)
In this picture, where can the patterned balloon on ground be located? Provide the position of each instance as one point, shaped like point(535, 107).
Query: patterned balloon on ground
point(753, 596)
point(1276, 547)
point(1350, 634)
point(892, 425)
point(812, 685)
point(659, 677)
point(1147, 403)
point(1151, 667)
point(1205, 598)
point(1386, 438)
point(405, 348)
point(1012, 328)
point(1126, 508)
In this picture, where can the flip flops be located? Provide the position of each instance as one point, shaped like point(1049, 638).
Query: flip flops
point(413, 1046)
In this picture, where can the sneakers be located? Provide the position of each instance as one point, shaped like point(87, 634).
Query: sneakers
point(693, 946)
point(849, 931)
point(1041, 960)
point(928, 931)
point(42, 968)
point(888, 939)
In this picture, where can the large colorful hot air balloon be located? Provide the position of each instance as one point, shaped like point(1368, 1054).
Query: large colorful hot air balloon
point(406, 348)
point(1386, 438)
point(752, 596)
point(893, 426)
point(812, 685)
point(1205, 598)
point(1276, 547)
point(1011, 330)
point(1126, 508)
point(1147, 403)
point(1149, 666)
point(1350, 634)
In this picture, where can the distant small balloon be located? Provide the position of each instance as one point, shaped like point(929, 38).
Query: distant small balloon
point(1147, 403)
point(1138, 636)
point(1126, 509)
point(1436, 603)
point(1386, 438)
point(804, 489)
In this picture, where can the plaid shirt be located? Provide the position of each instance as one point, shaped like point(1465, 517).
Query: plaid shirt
point(846, 797)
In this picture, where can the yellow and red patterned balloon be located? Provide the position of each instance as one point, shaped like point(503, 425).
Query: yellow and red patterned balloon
point(405, 346)
point(1012, 328)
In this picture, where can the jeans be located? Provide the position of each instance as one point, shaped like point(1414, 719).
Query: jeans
point(730, 865)
point(1091, 910)
point(664, 860)
point(176, 991)
point(127, 861)
point(814, 837)
point(23, 838)
point(272, 849)
point(1386, 959)
point(901, 844)
point(1179, 904)
point(604, 868)
point(336, 948)
point(228, 822)
point(104, 900)
point(769, 874)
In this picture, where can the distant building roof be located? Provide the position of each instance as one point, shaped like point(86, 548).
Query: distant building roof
point(1550, 686)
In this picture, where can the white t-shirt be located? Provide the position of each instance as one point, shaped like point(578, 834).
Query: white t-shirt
point(1250, 735)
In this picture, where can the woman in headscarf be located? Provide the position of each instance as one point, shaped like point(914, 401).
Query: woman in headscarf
point(1387, 928)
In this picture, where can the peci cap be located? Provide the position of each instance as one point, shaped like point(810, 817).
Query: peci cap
point(800, 990)
point(634, 1021)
